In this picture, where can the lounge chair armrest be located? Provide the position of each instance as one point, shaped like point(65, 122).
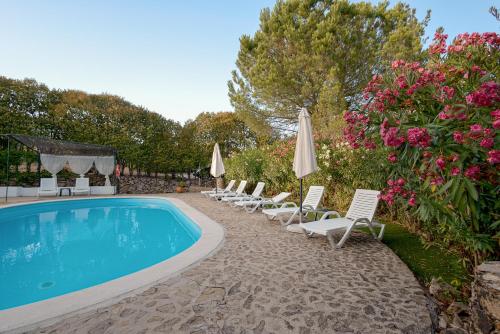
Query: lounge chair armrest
point(288, 204)
point(330, 213)
point(309, 208)
point(362, 221)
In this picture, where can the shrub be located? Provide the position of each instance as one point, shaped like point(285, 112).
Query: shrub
point(341, 169)
point(438, 123)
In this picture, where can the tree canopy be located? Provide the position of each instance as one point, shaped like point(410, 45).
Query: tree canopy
point(144, 140)
point(317, 54)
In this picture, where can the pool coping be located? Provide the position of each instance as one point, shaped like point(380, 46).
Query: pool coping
point(46, 312)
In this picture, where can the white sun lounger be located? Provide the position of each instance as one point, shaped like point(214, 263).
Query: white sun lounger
point(81, 186)
point(238, 192)
point(310, 203)
point(255, 195)
point(228, 188)
point(360, 214)
point(252, 205)
point(48, 187)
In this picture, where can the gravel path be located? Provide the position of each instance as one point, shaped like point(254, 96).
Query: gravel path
point(267, 280)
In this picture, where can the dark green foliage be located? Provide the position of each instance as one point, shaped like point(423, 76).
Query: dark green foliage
point(144, 140)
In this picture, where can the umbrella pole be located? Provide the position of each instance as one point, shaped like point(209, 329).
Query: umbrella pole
point(300, 215)
point(216, 185)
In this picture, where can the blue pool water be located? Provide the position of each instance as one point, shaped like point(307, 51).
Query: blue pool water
point(49, 249)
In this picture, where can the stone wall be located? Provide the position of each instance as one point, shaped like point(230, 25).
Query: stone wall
point(144, 185)
point(485, 300)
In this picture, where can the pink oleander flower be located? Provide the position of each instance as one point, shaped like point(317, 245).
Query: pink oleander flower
point(487, 143)
point(476, 128)
point(401, 82)
point(458, 137)
point(485, 96)
point(400, 182)
point(455, 171)
point(392, 138)
point(388, 198)
point(496, 124)
point(495, 114)
point(370, 145)
point(494, 157)
point(412, 201)
point(419, 137)
point(437, 181)
point(392, 158)
point(438, 44)
point(443, 116)
point(449, 92)
point(441, 163)
point(472, 172)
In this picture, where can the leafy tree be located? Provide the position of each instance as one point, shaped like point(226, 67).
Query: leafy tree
point(317, 54)
point(225, 128)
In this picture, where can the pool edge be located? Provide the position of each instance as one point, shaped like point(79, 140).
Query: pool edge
point(47, 312)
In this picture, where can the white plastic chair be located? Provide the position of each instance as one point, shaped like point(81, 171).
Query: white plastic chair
point(238, 192)
point(310, 204)
point(48, 187)
point(252, 205)
point(360, 214)
point(228, 188)
point(81, 186)
point(253, 196)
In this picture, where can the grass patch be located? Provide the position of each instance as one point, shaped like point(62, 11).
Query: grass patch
point(425, 263)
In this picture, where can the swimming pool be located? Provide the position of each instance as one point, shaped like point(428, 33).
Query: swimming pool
point(53, 248)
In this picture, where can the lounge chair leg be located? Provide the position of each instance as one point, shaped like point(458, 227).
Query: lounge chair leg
point(309, 235)
point(331, 240)
point(252, 210)
point(290, 220)
point(381, 233)
point(370, 227)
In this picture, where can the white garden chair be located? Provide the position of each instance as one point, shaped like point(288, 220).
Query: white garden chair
point(48, 187)
point(310, 204)
point(81, 186)
point(228, 188)
point(360, 214)
point(253, 196)
point(252, 205)
point(238, 192)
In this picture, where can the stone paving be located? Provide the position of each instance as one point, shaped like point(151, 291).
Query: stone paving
point(267, 280)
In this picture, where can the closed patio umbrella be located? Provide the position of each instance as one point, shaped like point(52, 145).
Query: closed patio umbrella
point(304, 160)
point(217, 166)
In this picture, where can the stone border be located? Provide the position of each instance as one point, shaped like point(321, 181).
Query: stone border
point(46, 312)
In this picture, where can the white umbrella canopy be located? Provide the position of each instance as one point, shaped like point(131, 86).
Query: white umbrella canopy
point(217, 166)
point(304, 160)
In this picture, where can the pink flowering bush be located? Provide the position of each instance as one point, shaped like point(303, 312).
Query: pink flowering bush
point(438, 123)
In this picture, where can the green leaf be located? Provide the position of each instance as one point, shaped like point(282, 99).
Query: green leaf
point(445, 187)
point(471, 189)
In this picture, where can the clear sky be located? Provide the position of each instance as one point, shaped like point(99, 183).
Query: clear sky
point(173, 57)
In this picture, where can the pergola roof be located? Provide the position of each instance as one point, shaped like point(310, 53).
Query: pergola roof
point(62, 147)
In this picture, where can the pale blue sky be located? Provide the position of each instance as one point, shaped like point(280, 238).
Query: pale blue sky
point(173, 57)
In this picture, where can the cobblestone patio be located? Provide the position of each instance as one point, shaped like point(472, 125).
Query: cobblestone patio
point(267, 280)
